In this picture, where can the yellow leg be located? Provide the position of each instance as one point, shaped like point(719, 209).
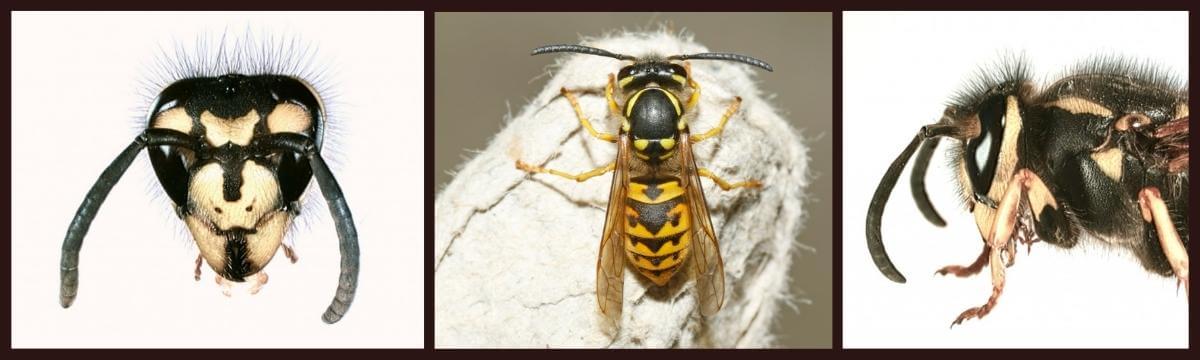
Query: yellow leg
point(754, 184)
point(733, 108)
point(577, 177)
point(695, 97)
point(583, 119)
point(608, 94)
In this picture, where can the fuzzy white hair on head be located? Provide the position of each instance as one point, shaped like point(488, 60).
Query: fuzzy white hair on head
point(248, 52)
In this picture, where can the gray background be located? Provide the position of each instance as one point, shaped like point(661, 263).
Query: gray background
point(471, 99)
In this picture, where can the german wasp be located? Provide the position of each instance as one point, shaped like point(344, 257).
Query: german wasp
point(1101, 152)
point(657, 217)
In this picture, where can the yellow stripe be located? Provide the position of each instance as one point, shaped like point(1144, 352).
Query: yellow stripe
point(633, 100)
point(641, 144)
point(643, 263)
point(668, 248)
point(660, 280)
point(674, 101)
point(685, 222)
point(667, 155)
point(679, 79)
point(670, 190)
point(624, 81)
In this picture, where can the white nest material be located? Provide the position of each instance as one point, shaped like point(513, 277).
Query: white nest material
point(515, 254)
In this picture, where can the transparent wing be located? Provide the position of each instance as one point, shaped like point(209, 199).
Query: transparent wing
point(707, 267)
point(610, 268)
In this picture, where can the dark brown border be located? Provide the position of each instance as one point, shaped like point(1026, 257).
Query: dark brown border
point(431, 6)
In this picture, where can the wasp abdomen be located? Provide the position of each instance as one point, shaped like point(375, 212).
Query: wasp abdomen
point(657, 227)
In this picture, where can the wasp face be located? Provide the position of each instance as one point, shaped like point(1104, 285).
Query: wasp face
point(236, 195)
point(654, 72)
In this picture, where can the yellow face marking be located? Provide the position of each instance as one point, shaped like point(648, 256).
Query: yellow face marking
point(175, 119)
point(1005, 167)
point(256, 209)
point(679, 79)
point(288, 117)
point(1110, 162)
point(668, 143)
point(237, 130)
point(1077, 105)
point(669, 190)
point(641, 144)
point(681, 210)
point(624, 81)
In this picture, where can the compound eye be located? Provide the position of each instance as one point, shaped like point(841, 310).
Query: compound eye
point(625, 72)
point(983, 152)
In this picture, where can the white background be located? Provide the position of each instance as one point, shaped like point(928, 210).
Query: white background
point(899, 71)
point(76, 84)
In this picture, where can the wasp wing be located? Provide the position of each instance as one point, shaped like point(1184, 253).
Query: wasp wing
point(707, 266)
point(610, 268)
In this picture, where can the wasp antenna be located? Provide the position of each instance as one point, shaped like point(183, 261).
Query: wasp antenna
point(879, 200)
point(727, 57)
point(580, 49)
point(918, 183)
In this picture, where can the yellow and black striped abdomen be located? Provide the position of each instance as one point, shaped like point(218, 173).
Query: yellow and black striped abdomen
point(657, 226)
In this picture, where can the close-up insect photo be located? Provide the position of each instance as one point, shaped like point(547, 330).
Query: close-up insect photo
point(649, 194)
point(258, 202)
point(1026, 187)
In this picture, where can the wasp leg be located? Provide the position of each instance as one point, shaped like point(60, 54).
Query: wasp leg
point(290, 253)
point(257, 282)
point(733, 108)
point(969, 270)
point(69, 266)
point(1155, 210)
point(226, 286)
point(694, 99)
point(608, 94)
point(199, 261)
point(754, 184)
point(1004, 226)
point(581, 177)
point(583, 120)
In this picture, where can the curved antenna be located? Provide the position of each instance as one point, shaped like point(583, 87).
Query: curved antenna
point(727, 57)
point(879, 201)
point(580, 49)
point(918, 183)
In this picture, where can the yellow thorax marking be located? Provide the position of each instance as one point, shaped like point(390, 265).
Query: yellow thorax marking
point(633, 100)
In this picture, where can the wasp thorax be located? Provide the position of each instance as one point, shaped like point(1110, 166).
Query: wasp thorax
point(654, 115)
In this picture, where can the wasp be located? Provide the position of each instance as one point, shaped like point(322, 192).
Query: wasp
point(1101, 152)
point(657, 217)
point(234, 153)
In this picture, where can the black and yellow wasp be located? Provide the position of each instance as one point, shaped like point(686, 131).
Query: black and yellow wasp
point(656, 207)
